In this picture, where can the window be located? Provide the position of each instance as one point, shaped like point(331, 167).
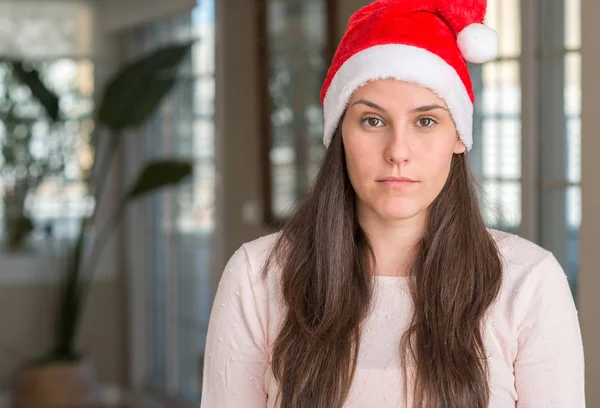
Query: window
point(496, 154)
point(298, 41)
point(42, 164)
point(179, 222)
point(503, 153)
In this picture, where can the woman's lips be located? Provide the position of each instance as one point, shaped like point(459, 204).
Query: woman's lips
point(397, 182)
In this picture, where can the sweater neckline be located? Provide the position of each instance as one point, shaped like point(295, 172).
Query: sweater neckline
point(390, 278)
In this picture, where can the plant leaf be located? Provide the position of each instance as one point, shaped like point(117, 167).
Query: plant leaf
point(45, 96)
point(136, 91)
point(147, 104)
point(159, 174)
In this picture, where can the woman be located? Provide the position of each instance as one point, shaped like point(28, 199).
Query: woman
point(385, 289)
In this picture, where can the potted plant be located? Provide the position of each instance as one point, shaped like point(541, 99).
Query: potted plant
point(63, 377)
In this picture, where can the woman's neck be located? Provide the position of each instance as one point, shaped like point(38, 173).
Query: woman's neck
point(393, 241)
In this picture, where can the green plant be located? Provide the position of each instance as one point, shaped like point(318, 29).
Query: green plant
point(131, 97)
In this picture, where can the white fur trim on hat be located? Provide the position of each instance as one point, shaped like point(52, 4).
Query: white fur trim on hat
point(478, 43)
point(404, 63)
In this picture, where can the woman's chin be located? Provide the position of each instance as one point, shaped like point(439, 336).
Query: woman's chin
point(391, 210)
point(398, 214)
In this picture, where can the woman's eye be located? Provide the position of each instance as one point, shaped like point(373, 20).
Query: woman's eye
point(426, 122)
point(373, 122)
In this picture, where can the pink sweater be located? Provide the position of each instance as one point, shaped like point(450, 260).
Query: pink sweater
point(532, 336)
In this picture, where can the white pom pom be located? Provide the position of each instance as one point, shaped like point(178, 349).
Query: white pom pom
point(478, 43)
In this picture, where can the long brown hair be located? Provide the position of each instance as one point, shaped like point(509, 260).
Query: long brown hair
point(326, 265)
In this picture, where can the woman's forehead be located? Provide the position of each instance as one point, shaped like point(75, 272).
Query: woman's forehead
point(393, 91)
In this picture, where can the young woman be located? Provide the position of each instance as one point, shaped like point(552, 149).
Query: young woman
point(386, 289)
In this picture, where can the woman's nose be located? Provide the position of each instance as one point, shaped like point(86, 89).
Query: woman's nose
point(398, 148)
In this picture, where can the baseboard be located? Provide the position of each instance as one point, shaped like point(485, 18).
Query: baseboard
point(110, 395)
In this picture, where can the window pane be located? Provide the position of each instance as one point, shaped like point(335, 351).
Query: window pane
point(204, 130)
point(283, 180)
point(501, 204)
point(502, 89)
point(572, 24)
point(573, 115)
point(297, 41)
point(496, 154)
point(204, 94)
point(504, 17)
point(42, 164)
point(501, 148)
point(489, 194)
point(203, 52)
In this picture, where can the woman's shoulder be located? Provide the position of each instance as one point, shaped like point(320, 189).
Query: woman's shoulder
point(251, 257)
point(530, 271)
point(517, 250)
point(259, 249)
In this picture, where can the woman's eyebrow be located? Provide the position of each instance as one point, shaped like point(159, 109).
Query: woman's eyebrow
point(420, 109)
point(427, 108)
point(369, 104)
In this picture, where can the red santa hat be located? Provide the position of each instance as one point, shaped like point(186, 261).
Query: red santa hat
point(426, 42)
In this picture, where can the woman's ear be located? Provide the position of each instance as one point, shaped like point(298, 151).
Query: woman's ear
point(459, 147)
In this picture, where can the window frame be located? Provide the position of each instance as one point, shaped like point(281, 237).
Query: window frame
point(270, 219)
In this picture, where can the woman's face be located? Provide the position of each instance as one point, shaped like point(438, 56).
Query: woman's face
point(399, 139)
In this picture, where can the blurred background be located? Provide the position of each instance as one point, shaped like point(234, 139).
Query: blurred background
point(243, 111)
